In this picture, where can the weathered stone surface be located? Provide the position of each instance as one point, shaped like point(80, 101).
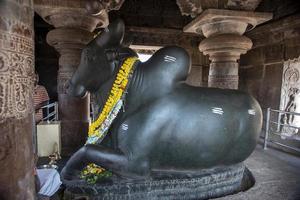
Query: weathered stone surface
point(16, 106)
point(16, 159)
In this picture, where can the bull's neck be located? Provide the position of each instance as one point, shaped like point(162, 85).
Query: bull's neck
point(148, 83)
point(103, 93)
point(134, 97)
point(101, 96)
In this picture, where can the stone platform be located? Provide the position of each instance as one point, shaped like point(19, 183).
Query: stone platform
point(207, 184)
point(277, 176)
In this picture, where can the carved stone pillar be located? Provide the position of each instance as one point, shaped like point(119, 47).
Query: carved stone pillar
point(74, 23)
point(225, 42)
point(16, 104)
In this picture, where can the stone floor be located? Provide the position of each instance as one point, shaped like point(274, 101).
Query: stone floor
point(277, 176)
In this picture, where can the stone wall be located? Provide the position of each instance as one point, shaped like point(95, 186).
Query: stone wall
point(262, 67)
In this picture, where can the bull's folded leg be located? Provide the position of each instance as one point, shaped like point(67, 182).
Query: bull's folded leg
point(102, 156)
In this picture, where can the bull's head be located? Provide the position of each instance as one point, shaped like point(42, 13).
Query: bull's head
point(99, 60)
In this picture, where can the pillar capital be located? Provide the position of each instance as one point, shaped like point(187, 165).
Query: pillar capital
point(225, 47)
point(71, 14)
point(74, 27)
point(224, 42)
point(220, 21)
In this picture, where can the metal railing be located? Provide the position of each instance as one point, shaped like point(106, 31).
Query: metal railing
point(281, 128)
point(51, 110)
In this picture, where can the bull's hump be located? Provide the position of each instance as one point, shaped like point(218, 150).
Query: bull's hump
point(172, 61)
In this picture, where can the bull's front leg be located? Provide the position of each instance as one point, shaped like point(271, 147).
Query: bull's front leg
point(105, 157)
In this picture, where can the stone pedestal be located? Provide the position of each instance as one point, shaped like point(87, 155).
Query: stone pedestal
point(204, 184)
point(16, 103)
point(224, 41)
point(74, 22)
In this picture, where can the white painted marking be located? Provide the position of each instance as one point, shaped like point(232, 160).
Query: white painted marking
point(169, 58)
point(124, 127)
point(217, 110)
point(251, 112)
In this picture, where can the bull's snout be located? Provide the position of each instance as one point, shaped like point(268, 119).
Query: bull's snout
point(76, 90)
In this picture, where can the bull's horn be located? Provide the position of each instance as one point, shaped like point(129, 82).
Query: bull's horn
point(112, 35)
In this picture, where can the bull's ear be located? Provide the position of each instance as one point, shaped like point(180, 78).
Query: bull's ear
point(112, 35)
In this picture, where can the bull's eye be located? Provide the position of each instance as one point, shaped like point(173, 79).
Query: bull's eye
point(111, 55)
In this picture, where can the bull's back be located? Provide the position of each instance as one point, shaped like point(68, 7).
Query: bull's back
point(207, 127)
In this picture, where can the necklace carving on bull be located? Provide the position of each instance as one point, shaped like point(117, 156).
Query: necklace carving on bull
point(99, 128)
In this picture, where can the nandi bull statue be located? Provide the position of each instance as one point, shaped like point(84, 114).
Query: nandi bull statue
point(162, 125)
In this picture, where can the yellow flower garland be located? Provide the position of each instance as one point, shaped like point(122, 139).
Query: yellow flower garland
point(115, 95)
point(93, 172)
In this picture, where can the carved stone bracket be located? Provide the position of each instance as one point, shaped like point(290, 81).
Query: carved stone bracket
point(195, 7)
point(96, 7)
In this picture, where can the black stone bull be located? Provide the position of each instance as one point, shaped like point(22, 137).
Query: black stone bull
point(167, 125)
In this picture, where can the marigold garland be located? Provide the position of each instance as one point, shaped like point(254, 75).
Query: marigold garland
point(113, 104)
point(98, 129)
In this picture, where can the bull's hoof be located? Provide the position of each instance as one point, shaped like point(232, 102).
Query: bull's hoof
point(210, 183)
point(69, 177)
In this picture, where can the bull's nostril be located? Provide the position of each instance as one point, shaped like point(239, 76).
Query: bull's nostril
point(76, 90)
